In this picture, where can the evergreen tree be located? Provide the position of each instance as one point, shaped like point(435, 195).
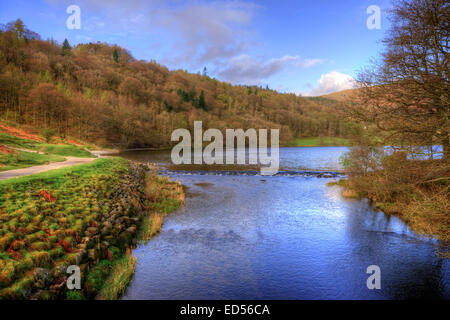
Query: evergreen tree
point(116, 56)
point(19, 28)
point(66, 48)
point(201, 101)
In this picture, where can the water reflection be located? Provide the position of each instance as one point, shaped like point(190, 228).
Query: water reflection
point(283, 237)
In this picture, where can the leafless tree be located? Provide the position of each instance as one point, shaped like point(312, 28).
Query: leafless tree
point(406, 93)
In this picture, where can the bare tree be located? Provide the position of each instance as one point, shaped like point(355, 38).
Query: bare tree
point(406, 93)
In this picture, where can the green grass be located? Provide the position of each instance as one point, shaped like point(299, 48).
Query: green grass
point(120, 275)
point(65, 150)
point(318, 142)
point(38, 233)
point(58, 177)
point(12, 141)
point(48, 153)
point(33, 229)
point(20, 159)
point(162, 197)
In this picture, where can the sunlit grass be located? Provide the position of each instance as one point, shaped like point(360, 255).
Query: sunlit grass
point(163, 196)
point(318, 142)
point(55, 149)
point(9, 140)
point(65, 150)
point(20, 159)
point(122, 271)
point(38, 233)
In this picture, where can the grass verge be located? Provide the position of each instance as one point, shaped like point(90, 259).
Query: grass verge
point(54, 149)
point(122, 270)
point(65, 150)
point(424, 210)
point(21, 159)
point(45, 216)
point(162, 197)
point(319, 142)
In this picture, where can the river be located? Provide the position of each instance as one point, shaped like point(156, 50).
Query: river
point(246, 236)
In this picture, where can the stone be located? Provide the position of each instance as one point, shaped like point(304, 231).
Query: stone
point(42, 278)
point(131, 230)
point(92, 230)
point(79, 256)
point(92, 254)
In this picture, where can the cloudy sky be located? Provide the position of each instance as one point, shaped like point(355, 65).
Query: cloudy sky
point(301, 46)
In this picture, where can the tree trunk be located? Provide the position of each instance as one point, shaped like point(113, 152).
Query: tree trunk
point(446, 149)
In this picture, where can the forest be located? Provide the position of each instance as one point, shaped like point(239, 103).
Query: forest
point(99, 93)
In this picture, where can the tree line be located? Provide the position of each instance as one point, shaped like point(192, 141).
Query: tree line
point(98, 92)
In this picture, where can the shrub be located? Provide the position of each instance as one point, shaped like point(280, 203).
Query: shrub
point(48, 134)
point(74, 295)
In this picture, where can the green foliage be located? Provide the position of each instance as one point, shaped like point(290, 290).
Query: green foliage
point(318, 141)
point(128, 103)
point(168, 107)
point(52, 149)
point(97, 275)
point(9, 140)
point(33, 228)
point(65, 150)
point(74, 295)
point(66, 48)
point(201, 101)
point(48, 134)
point(21, 159)
point(121, 272)
point(115, 56)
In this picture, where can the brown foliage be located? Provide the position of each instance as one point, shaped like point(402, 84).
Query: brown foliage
point(89, 95)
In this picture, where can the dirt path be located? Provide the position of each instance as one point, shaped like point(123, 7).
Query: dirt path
point(70, 161)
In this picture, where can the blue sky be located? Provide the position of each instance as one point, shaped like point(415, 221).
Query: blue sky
point(306, 47)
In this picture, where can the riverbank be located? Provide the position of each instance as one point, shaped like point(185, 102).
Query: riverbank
point(65, 162)
point(319, 142)
point(89, 215)
point(17, 153)
point(424, 211)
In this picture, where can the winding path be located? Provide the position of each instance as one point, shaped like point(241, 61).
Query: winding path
point(70, 161)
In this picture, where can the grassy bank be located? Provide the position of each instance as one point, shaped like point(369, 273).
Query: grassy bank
point(20, 159)
point(45, 216)
point(424, 209)
point(163, 196)
point(17, 153)
point(318, 142)
point(87, 215)
point(55, 149)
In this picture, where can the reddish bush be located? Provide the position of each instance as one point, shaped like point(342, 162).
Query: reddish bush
point(67, 247)
point(47, 196)
point(13, 254)
point(110, 255)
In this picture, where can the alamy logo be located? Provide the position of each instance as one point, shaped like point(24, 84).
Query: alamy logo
point(214, 152)
point(374, 20)
point(74, 280)
point(374, 281)
point(74, 20)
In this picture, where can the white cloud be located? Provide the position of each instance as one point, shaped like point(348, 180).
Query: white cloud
point(189, 34)
point(332, 82)
point(207, 32)
point(308, 63)
point(195, 32)
point(245, 69)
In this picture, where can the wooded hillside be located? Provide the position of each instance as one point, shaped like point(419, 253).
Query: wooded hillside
point(98, 92)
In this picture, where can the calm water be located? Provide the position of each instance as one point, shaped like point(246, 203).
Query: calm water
point(283, 237)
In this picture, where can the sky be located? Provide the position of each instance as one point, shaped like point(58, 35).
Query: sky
point(299, 46)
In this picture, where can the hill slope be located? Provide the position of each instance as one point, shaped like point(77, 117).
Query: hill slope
point(99, 93)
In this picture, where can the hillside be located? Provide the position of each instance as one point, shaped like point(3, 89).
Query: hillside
point(99, 93)
point(342, 96)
